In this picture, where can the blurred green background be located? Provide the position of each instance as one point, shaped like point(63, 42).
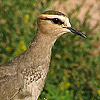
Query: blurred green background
point(75, 66)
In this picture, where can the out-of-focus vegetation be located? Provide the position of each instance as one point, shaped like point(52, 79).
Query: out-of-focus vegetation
point(18, 25)
point(75, 67)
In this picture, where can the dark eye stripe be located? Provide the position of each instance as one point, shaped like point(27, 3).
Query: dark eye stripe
point(57, 21)
point(54, 20)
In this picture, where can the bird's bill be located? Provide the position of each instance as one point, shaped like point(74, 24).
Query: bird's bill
point(73, 30)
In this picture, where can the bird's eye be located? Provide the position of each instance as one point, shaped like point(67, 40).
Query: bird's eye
point(57, 21)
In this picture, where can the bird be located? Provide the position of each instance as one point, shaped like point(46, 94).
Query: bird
point(23, 77)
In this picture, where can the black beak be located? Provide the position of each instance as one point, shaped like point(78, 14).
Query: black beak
point(73, 30)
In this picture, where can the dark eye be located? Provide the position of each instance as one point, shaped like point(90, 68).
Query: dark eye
point(57, 21)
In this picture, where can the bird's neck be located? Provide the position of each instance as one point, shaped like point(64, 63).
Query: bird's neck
point(40, 49)
point(35, 61)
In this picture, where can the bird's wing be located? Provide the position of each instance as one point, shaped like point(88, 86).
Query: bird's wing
point(10, 81)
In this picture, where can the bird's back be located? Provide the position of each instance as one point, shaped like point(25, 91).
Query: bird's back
point(10, 81)
point(20, 80)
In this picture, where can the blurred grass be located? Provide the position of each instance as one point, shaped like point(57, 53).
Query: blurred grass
point(74, 71)
point(18, 25)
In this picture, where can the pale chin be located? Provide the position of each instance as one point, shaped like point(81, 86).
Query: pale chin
point(68, 30)
point(64, 32)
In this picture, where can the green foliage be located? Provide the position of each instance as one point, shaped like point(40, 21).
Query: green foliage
point(18, 25)
point(74, 71)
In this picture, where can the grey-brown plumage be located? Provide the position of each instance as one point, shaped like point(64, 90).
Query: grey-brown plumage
point(23, 78)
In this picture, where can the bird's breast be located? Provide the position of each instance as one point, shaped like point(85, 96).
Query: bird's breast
point(34, 80)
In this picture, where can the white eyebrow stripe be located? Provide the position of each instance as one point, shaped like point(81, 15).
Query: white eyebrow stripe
point(62, 18)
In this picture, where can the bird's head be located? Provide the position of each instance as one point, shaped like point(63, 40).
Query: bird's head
point(55, 23)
